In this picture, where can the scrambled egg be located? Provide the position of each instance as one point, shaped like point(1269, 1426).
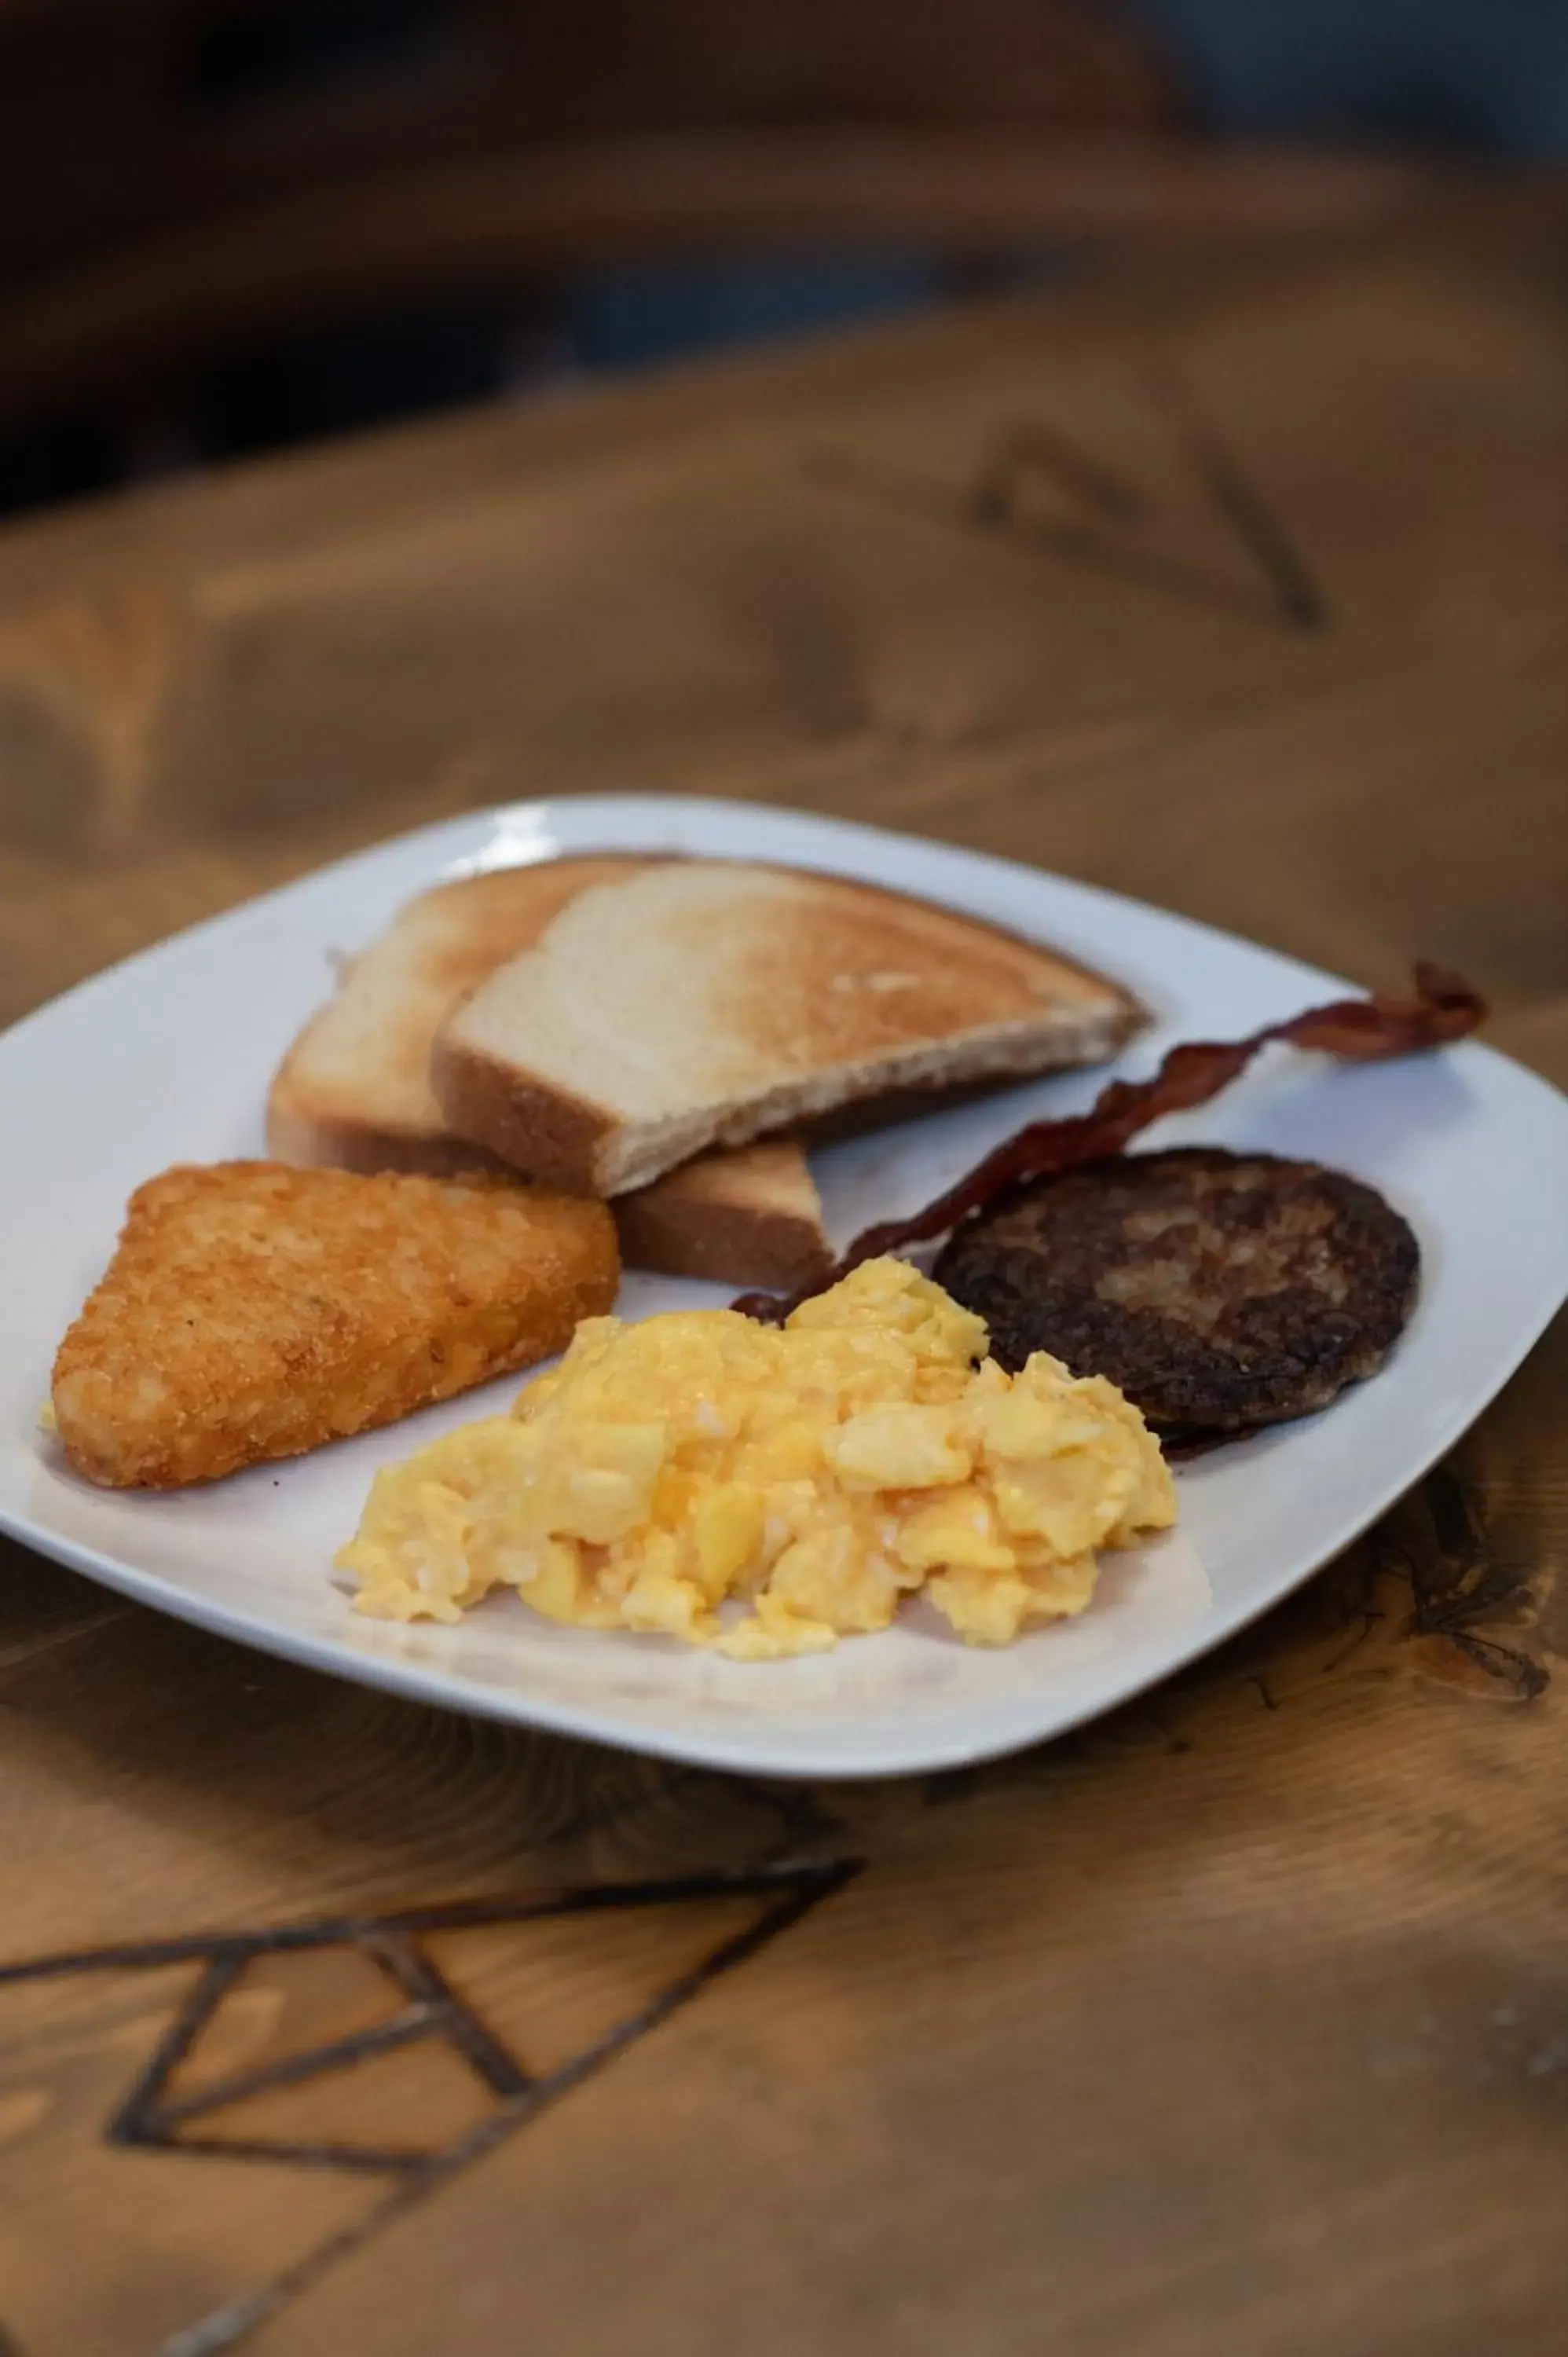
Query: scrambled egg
point(817, 1471)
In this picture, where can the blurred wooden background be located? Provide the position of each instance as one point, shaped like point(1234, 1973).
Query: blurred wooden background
point(229, 223)
point(179, 107)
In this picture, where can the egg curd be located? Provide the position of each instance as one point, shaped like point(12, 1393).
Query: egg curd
point(818, 1472)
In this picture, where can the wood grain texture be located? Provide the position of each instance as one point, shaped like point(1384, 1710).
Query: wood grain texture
point(1239, 2020)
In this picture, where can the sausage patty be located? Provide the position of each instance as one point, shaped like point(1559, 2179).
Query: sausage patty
point(1218, 1291)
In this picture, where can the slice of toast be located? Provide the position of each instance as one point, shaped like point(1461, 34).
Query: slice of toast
point(755, 1208)
point(354, 1089)
point(253, 1311)
point(707, 1002)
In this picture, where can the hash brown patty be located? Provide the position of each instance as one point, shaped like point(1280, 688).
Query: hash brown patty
point(254, 1311)
point(1218, 1291)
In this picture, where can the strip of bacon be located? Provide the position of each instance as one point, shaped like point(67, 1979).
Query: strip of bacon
point(1357, 1030)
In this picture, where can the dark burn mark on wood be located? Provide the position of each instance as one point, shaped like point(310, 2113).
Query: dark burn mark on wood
point(202, 2001)
point(1238, 501)
point(1113, 511)
point(150, 2119)
point(1033, 451)
point(150, 2116)
point(433, 1998)
point(910, 493)
point(1456, 1592)
point(153, 2118)
point(806, 1825)
point(1434, 1544)
point(458, 1915)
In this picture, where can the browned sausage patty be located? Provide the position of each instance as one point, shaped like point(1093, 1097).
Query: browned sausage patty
point(1217, 1290)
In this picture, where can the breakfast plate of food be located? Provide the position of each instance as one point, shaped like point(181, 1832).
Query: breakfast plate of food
point(745, 1286)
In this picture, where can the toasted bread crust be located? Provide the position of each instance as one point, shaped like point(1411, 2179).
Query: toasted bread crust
point(311, 1143)
point(546, 1133)
point(253, 1311)
point(772, 1252)
point(564, 1140)
point(438, 948)
point(727, 1214)
point(707, 1004)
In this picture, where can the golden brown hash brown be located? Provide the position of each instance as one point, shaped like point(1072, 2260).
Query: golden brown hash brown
point(1218, 1291)
point(254, 1311)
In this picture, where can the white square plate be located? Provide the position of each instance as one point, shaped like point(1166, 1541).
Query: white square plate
point(167, 1057)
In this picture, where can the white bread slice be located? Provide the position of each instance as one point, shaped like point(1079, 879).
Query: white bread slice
point(707, 1002)
point(353, 1092)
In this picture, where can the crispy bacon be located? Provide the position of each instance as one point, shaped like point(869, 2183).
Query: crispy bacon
point(1357, 1030)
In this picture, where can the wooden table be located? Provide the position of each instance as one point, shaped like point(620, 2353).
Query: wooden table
point(1238, 2023)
